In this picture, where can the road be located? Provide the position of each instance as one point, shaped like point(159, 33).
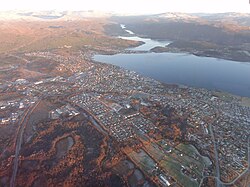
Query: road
point(246, 171)
point(19, 138)
point(219, 183)
point(92, 119)
point(217, 173)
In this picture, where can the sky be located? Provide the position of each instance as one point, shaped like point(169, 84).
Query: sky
point(131, 6)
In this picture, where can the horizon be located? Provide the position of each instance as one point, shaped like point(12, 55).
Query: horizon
point(130, 7)
point(8, 14)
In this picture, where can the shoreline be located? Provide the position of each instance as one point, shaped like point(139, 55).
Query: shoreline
point(166, 49)
point(222, 93)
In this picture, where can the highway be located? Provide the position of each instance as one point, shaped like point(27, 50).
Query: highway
point(19, 139)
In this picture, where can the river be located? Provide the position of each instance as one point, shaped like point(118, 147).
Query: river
point(182, 68)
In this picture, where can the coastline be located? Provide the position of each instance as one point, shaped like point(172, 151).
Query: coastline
point(245, 101)
point(198, 53)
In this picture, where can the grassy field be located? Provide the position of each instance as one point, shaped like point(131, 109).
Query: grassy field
point(143, 160)
point(180, 156)
point(191, 151)
point(173, 163)
point(245, 101)
point(174, 169)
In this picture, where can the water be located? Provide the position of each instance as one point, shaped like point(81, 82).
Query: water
point(185, 69)
point(148, 43)
point(128, 31)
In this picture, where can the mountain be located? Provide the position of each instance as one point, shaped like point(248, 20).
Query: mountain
point(224, 35)
point(51, 15)
point(231, 17)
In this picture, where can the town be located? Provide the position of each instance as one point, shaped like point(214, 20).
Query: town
point(203, 133)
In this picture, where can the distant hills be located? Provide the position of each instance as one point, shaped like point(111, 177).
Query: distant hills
point(225, 28)
point(50, 15)
point(225, 35)
point(232, 17)
point(228, 18)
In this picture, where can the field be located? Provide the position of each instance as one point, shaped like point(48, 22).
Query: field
point(185, 158)
point(142, 159)
point(244, 101)
point(183, 162)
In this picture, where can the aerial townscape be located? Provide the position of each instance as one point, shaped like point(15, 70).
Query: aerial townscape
point(67, 119)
